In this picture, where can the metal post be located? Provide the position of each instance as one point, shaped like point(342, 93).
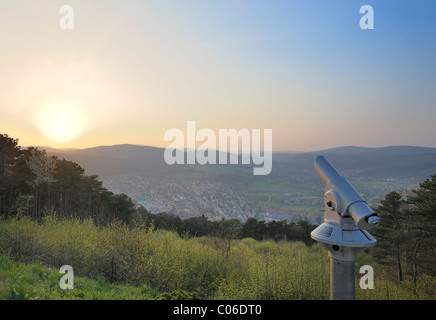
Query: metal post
point(342, 280)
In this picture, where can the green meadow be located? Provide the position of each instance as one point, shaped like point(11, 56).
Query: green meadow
point(120, 262)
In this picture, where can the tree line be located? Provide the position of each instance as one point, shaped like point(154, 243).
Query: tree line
point(35, 184)
point(407, 232)
point(230, 229)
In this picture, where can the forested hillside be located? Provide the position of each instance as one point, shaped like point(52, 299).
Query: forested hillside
point(35, 184)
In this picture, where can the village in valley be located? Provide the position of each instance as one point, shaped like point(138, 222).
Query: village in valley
point(215, 201)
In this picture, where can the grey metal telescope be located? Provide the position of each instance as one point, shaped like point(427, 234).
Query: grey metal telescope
point(349, 202)
point(344, 231)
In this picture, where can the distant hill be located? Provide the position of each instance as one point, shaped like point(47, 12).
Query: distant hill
point(124, 159)
point(385, 162)
point(134, 160)
point(392, 150)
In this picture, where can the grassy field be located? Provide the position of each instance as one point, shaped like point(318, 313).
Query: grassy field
point(118, 262)
point(33, 281)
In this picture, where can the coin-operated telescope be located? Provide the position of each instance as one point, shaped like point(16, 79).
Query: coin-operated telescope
point(344, 232)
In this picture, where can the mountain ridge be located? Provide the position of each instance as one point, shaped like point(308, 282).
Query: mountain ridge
point(131, 159)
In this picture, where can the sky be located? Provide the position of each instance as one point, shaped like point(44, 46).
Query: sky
point(131, 70)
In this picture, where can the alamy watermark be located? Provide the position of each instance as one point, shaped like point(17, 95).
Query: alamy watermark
point(367, 280)
point(67, 281)
point(212, 151)
point(367, 20)
point(66, 22)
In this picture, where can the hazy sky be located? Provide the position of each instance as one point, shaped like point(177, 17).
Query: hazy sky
point(130, 70)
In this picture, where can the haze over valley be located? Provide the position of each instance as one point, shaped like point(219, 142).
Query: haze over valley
point(293, 191)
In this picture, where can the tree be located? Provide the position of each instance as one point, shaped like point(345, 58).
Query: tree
point(91, 194)
point(22, 204)
point(226, 230)
point(277, 230)
point(305, 229)
point(9, 152)
point(197, 226)
point(41, 168)
point(122, 207)
point(422, 222)
point(167, 221)
point(68, 177)
point(254, 229)
point(391, 233)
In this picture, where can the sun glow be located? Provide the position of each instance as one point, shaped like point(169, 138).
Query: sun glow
point(61, 122)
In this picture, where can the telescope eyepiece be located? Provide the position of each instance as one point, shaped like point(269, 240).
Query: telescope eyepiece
point(373, 220)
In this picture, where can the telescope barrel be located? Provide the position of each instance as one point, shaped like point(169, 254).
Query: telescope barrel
point(325, 169)
point(351, 202)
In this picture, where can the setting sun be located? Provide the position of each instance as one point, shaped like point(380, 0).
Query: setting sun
point(61, 122)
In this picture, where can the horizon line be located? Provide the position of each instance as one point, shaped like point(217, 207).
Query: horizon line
point(217, 150)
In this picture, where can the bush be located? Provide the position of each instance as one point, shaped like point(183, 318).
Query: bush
point(177, 295)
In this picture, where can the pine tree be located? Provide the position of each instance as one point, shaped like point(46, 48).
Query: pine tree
point(391, 234)
point(422, 220)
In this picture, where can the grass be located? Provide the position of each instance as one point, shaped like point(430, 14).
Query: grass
point(118, 262)
point(33, 281)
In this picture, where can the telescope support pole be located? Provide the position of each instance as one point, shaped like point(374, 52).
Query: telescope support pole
point(342, 280)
